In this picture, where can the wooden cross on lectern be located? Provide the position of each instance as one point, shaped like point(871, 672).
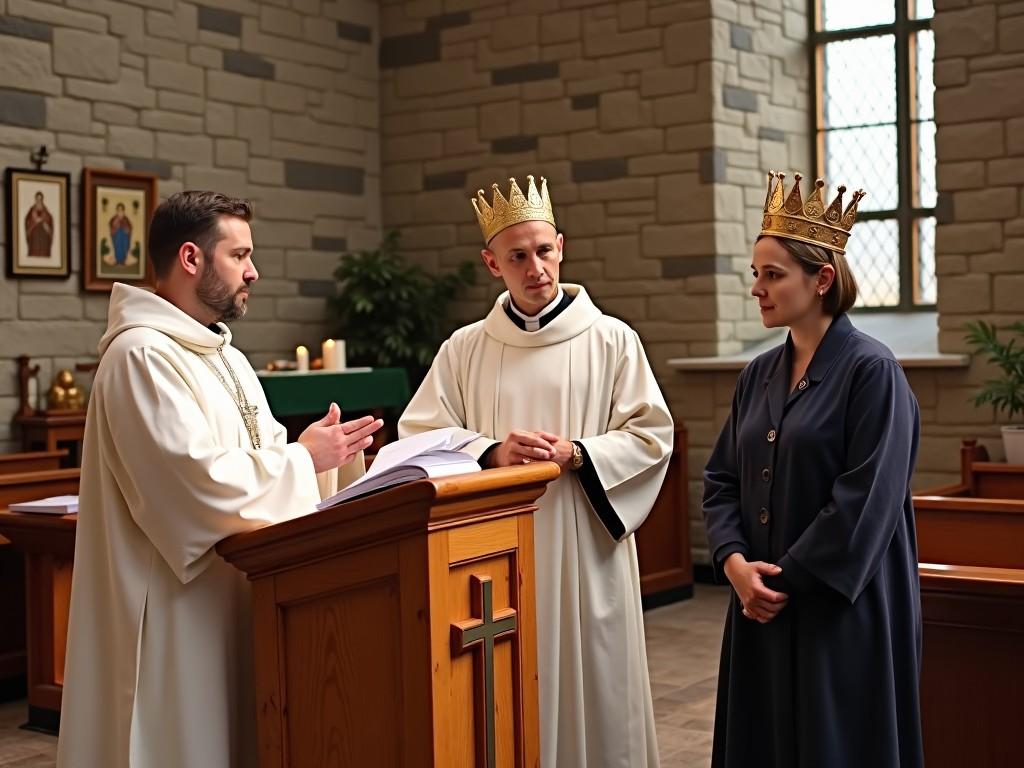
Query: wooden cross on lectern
point(480, 633)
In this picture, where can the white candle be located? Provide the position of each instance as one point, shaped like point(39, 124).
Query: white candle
point(327, 350)
point(301, 358)
point(33, 392)
point(339, 355)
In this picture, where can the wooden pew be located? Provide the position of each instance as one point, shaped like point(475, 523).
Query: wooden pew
point(34, 461)
point(971, 550)
point(972, 675)
point(37, 590)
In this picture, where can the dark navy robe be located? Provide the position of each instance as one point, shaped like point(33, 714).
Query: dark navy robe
point(817, 480)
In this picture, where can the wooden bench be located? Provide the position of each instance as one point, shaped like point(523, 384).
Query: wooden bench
point(970, 540)
point(972, 675)
point(37, 587)
point(34, 461)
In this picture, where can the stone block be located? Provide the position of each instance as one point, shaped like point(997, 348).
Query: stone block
point(1009, 294)
point(965, 294)
point(741, 38)
point(159, 168)
point(603, 38)
point(68, 115)
point(234, 88)
point(688, 42)
point(500, 119)
point(222, 21)
point(181, 102)
point(970, 141)
point(954, 176)
point(410, 50)
point(619, 189)
point(459, 76)
point(182, 148)
point(682, 308)
point(668, 80)
point(82, 145)
point(130, 90)
point(1007, 170)
point(248, 64)
point(43, 307)
point(683, 109)
point(30, 30)
point(86, 55)
point(220, 119)
point(525, 73)
point(130, 142)
point(599, 170)
point(742, 99)
point(57, 15)
point(356, 33)
point(514, 31)
point(681, 197)
point(171, 121)
point(555, 117)
point(965, 33)
point(26, 65)
point(115, 114)
point(679, 239)
point(560, 27)
point(175, 76)
point(594, 145)
point(956, 407)
point(347, 180)
point(264, 171)
point(231, 153)
point(986, 204)
point(987, 96)
point(624, 109)
point(949, 72)
point(1015, 136)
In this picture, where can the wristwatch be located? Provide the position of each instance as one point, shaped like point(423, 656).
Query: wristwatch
point(577, 458)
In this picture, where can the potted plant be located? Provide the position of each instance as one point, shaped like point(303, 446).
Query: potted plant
point(1005, 393)
point(392, 313)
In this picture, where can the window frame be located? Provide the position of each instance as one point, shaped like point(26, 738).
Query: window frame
point(906, 214)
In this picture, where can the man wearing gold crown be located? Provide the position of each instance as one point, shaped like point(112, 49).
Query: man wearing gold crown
point(547, 376)
point(809, 516)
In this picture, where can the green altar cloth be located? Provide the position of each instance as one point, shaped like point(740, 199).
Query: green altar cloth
point(362, 389)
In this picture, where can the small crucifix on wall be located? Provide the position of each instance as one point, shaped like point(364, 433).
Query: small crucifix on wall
point(480, 634)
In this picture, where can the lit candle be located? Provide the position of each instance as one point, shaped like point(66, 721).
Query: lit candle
point(301, 358)
point(328, 352)
point(339, 355)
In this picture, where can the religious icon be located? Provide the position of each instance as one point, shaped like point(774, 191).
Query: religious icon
point(118, 207)
point(37, 223)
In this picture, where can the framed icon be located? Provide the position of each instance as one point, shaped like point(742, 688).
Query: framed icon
point(116, 209)
point(38, 223)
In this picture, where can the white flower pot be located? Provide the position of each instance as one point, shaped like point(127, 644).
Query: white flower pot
point(1013, 442)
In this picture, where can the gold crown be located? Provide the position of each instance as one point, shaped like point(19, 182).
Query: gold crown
point(809, 222)
point(533, 206)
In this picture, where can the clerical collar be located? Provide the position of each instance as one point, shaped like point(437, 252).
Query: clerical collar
point(536, 322)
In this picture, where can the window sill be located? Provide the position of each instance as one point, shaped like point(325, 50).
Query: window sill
point(913, 339)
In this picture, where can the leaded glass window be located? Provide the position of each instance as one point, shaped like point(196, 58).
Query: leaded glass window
point(874, 126)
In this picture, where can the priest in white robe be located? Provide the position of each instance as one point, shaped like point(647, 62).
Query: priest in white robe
point(180, 451)
point(547, 376)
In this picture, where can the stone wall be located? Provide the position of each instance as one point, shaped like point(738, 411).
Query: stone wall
point(272, 100)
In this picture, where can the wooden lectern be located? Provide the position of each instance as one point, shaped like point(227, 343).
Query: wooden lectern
point(399, 629)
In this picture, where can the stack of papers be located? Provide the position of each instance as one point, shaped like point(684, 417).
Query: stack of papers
point(430, 454)
point(54, 505)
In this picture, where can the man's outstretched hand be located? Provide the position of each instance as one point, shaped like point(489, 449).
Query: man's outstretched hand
point(332, 443)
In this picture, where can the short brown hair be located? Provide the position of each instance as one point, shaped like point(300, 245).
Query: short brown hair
point(190, 216)
point(842, 294)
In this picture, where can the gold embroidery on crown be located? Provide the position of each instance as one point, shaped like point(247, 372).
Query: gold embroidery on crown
point(503, 213)
point(810, 222)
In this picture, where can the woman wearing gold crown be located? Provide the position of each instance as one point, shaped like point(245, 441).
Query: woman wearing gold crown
point(809, 516)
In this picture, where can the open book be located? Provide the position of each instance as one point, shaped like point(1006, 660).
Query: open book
point(54, 505)
point(430, 454)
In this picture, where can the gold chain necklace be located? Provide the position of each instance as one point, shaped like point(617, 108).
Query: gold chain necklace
point(246, 411)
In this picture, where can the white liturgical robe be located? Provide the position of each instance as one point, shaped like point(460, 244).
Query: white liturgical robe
point(159, 660)
point(583, 376)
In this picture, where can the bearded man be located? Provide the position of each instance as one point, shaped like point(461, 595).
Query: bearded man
point(180, 452)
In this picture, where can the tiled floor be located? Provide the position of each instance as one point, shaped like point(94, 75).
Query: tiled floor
point(682, 646)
